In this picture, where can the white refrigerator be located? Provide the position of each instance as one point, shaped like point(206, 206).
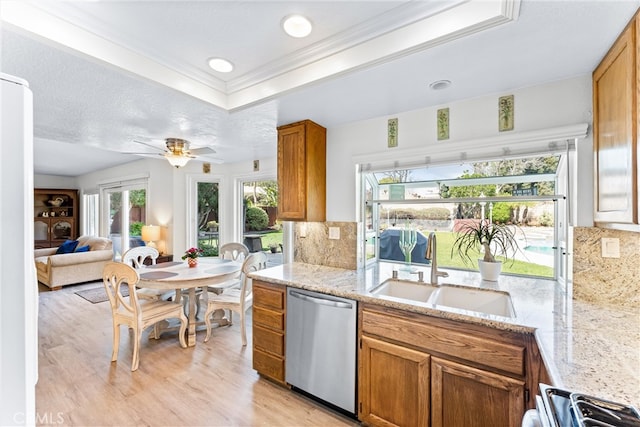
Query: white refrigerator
point(18, 283)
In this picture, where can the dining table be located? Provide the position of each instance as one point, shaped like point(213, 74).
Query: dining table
point(209, 272)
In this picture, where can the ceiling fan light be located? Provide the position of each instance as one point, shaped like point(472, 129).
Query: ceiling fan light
point(297, 26)
point(220, 65)
point(176, 161)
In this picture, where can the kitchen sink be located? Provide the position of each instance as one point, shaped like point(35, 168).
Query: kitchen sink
point(482, 301)
point(405, 289)
point(472, 299)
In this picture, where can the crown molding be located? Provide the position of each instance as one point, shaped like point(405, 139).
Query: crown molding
point(406, 29)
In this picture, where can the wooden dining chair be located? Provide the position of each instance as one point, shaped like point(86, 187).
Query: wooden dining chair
point(135, 257)
point(235, 252)
point(130, 311)
point(238, 300)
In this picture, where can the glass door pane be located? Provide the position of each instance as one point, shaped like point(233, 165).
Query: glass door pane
point(126, 216)
point(208, 231)
point(261, 229)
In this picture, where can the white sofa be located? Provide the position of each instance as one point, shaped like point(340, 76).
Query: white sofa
point(57, 270)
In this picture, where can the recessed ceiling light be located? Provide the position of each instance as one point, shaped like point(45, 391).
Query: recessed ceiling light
point(297, 26)
point(440, 84)
point(221, 65)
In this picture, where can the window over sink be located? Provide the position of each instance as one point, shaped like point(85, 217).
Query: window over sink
point(527, 193)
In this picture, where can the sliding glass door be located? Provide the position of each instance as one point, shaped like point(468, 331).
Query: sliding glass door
point(124, 214)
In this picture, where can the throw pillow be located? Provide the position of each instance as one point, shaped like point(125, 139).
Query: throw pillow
point(82, 248)
point(67, 247)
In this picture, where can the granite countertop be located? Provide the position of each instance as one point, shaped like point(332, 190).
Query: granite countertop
point(587, 348)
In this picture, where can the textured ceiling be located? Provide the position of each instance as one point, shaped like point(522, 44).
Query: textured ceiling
point(84, 104)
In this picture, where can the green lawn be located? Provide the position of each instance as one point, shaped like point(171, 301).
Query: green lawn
point(445, 242)
point(271, 237)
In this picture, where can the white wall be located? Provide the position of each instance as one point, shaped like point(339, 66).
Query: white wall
point(54, 181)
point(556, 104)
point(18, 285)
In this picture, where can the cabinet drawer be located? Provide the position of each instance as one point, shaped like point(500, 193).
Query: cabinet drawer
point(268, 365)
point(268, 340)
point(268, 297)
point(269, 318)
point(450, 341)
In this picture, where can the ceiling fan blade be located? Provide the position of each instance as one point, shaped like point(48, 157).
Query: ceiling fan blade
point(202, 151)
point(149, 145)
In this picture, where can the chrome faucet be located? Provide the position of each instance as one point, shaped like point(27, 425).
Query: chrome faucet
point(431, 255)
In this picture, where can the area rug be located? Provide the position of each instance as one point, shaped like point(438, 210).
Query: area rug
point(96, 295)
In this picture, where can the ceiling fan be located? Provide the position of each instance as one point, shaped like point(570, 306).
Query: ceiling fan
point(177, 152)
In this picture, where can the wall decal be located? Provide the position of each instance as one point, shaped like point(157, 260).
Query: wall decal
point(392, 131)
point(505, 113)
point(443, 124)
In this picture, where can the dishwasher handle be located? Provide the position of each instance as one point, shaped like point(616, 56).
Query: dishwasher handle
point(316, 300)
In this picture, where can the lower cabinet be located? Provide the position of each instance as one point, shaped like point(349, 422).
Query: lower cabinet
point(394, 384)
point(466, 396)
point(418, 370)
point(269, 307)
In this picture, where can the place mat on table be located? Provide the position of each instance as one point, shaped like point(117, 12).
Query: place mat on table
point(96, 295)
point(157, 275)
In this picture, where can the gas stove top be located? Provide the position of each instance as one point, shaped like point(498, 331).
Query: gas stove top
point(563, 408)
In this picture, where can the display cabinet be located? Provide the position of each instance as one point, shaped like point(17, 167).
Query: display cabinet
point(56, 216)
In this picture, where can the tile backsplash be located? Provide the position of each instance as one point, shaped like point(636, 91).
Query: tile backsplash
point(313, 246)
point(610, 281)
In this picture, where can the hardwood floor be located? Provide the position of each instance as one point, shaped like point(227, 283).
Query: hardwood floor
point(211, 384)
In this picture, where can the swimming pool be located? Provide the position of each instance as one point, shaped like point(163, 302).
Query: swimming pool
point(545, 250)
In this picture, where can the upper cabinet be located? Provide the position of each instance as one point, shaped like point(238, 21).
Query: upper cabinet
point(615, 131)
point(56, 216)
point(302, 172)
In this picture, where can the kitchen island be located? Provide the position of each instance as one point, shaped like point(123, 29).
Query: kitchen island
point(587, 348)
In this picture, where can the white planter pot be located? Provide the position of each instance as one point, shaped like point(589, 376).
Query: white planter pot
point(489, 270)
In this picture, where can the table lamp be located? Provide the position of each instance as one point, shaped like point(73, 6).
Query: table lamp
point(151, 234)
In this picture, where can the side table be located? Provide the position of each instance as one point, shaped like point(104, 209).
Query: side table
point(161, 258)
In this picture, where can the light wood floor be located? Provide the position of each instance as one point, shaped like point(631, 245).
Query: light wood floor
point(211, 384)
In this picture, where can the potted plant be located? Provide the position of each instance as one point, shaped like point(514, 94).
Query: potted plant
point(191, 255)
point(212, 225)
point(273, 247)
point(494, 239)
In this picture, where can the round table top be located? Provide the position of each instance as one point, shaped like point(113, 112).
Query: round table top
point(171, 275)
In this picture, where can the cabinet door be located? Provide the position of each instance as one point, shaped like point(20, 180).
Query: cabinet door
point(394, 385)
point(62, 229)
point(292, 184)
point(614, 132)
point(41, 232)
point(466, 396)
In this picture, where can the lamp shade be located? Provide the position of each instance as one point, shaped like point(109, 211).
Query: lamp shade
point(150, 233)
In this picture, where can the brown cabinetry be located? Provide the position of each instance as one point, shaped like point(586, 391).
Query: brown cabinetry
point(302, 172)
point(492, 399)
point(615, 131)
point(269, 311)
point(394, 384)
point(56, 216)
point(421, 370)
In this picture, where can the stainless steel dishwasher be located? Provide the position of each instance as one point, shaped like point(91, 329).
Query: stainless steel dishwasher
point(321, 347)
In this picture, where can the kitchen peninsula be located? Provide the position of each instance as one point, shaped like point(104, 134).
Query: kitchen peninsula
point(585, 347)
